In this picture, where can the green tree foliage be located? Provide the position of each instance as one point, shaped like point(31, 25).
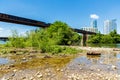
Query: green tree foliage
point(106, 39)
point(112, 37)
point(48, 39)
point(62, 34)
point(113, 33)
point(95, 38)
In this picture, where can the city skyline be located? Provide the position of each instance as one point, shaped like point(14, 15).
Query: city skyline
point(76, 13)
point(93, 24)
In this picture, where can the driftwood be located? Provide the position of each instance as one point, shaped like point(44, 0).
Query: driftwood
point(116, 49)
point(93, 53)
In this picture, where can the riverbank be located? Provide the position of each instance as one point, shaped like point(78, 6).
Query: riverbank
point(38, 66)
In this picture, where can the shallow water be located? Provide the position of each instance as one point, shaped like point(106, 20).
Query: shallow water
point(4, 61)
point(105, 45)
point(105, 62)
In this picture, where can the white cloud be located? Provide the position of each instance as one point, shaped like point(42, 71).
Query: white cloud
point(94, 16)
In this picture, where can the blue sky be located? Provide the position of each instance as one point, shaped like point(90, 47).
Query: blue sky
point(75, 13)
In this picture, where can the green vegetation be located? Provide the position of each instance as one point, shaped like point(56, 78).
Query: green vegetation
point(48, 40)
point(110, 38)
point(37, 61)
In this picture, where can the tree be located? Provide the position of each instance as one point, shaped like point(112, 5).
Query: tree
point(112, 37)
point(113, 33)
point(62, 34)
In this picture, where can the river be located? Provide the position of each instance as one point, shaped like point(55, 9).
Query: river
point(2, 42)
point(104, 45)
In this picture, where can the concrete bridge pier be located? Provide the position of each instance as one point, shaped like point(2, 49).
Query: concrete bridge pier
point(84, 39)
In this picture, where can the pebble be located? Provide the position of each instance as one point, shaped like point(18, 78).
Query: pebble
point(12, 65)
point(114, 67)
point(24, 58)
point(58, 69)
point(24, 78)
point(47, 70)
point(15, 70)
point(98, 70)
point(40, 76)
point(31, 78)
point(80, 68)
point(61, 70)
point(13, 74)
point(48, 74)
point(37, 73)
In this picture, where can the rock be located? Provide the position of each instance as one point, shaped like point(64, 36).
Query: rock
point(114, 67)
point(80, 68)
point(48, 74)
point(24, 58)
point(93, 53)
point(4, 78)
point(91, 70)
point(31, 78)
point(38, 73)
point(47, 70)
point(13, 75)
point(24, 78)
point(12, 65)
point(15, 70)
point(14, 51)
point(46, 56)
point(58, 69)
point(33, 51)
point(116, 49)
point(98, 70)
point(74, 77)
point(40, 76)
point(61, 70)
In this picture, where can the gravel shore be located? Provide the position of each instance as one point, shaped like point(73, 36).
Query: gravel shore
point(95, 68)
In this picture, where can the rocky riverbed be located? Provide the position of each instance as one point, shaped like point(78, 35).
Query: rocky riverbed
point(38, 66)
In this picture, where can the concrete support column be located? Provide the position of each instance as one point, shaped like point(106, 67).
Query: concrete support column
point(84, 39)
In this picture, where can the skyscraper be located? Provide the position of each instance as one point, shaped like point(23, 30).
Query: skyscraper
point(93, 27)
point(94, 23)
point(110, 25)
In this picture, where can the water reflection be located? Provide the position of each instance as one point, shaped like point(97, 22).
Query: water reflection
point(94, 59)
point(103, 62)
point(118, 56)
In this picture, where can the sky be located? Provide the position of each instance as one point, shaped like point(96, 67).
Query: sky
point(76, 13)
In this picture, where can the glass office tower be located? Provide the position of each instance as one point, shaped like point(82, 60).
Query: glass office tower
point(110, 25)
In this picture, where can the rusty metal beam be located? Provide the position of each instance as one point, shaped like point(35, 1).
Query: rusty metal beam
point(20, 20)
point(83, 31)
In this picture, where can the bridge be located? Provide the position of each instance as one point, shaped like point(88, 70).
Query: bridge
point(4, 38)
point(31, 22)
point(85, 35)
